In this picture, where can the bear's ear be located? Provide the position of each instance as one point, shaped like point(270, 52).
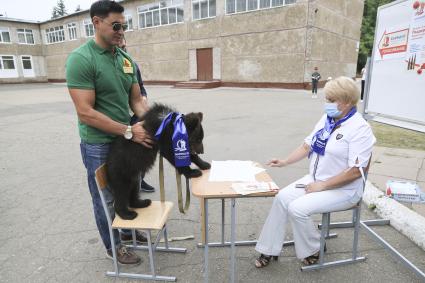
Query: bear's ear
point(192, 120)
point(200, 115)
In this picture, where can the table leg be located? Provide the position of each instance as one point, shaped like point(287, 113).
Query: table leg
point(233, 277)
point(205, 227)
point(202, 202)
point(222, 221)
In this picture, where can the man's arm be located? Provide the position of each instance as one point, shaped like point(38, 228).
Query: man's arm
point(84, 104)
point(138, 103)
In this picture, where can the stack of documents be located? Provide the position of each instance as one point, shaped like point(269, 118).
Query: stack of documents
point(255, 187)
point(234, 171)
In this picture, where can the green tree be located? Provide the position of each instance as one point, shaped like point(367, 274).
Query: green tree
point(54, 13)
point(59, 10)
point(368, 30)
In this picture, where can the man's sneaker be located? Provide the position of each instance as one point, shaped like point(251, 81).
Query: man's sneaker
point(128, 238)
point(314, 96)
point(145, 187)
point(125, 256)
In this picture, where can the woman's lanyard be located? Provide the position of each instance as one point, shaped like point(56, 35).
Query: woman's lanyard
point(321, 137)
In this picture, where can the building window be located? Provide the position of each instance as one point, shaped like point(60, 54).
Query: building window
point(4, 35)
point(7, 62)
point(27, 68)
point(202, 9)
point(25, 36)
point(55, 34)
point(26, 62)
point(239, 6)
point(72, 31)
point(88, 28)
point(162, 13)
point(129, 22)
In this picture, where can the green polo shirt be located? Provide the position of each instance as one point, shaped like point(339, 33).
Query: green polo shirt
point(111, 76)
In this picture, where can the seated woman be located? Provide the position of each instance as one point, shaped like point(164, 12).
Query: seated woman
point(340, 143)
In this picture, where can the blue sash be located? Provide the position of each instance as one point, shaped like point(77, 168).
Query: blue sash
point(321, 137)
point(180, 139)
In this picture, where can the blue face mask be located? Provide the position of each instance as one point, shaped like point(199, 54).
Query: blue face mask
point(331, 110)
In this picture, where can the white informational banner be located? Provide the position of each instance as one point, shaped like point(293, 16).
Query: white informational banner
point(397, 72)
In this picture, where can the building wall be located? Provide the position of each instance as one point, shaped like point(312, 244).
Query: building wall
point(333, 37)
point(277, 46)
point(56, 53)
point(18, 49)
point(267, 52)
point(259, 46)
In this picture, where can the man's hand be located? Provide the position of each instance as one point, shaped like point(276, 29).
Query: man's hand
point(141, 136)
point(274, 162)
point(315, 187)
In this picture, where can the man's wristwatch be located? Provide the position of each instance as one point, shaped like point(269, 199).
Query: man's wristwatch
point(128, 134)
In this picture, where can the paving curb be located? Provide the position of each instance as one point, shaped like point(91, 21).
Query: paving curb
point(403, 219)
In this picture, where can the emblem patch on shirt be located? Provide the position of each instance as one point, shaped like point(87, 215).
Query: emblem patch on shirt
point(127, 67)
point(339, 136)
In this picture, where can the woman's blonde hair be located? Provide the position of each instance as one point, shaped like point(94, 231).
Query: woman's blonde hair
point(342, 89)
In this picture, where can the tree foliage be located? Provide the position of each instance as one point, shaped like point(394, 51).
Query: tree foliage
point(59, 10)
point(368, 30)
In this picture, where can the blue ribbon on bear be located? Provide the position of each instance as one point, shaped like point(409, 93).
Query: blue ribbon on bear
point(180, 139)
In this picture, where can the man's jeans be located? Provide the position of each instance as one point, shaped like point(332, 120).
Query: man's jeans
point(93, 156)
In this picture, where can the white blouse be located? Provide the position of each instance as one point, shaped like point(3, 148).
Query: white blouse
point(352, 140)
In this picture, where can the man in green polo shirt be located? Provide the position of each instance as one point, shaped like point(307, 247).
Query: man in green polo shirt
point(102, 82)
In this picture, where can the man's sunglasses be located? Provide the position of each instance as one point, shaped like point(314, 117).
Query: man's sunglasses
point(118, 26)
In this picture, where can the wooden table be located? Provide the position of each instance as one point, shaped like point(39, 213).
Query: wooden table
point(206, 190)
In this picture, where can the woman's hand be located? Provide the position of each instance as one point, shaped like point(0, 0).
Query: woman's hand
point(274, 162)
point(315, 187)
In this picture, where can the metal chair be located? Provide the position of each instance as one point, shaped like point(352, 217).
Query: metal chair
point(151, 218)
point(326, 225)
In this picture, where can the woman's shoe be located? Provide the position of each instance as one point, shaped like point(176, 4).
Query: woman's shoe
point(264, 260)
point(313, 259)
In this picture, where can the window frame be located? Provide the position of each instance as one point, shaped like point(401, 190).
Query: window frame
point(208, 9)
point(30, 59)
point(27, 73)
point(254, 10)
point(156, 7)
point(127, 17)
point(88, 22)
point(69, 26)
point(25, 32)
point(5, 29)
point(2, 63)
point(53, 34)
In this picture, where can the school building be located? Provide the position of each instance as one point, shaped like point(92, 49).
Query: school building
point(253, 43)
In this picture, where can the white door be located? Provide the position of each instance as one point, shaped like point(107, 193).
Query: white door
point(27, 66)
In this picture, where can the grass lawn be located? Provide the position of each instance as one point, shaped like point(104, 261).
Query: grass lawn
point(390, 136)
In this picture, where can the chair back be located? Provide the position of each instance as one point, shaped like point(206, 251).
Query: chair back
point(101, 179)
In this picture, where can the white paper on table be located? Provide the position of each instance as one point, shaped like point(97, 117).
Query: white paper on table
point(256, 169)
point(247, 188)
point(232, 171)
